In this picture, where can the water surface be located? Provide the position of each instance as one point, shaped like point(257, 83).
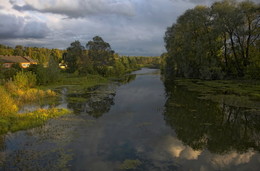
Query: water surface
point(152, 125)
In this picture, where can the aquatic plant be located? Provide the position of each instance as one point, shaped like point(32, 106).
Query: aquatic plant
point(16, 122)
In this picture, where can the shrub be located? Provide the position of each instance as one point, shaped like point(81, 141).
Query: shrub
point(25, 79)
point(46, 75)
point(7, 105)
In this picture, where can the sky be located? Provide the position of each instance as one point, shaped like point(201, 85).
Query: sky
point(131, 27)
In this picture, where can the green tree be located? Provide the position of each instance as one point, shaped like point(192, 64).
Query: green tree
point(74, 56)
point(19, 50)
point(100, 53)
point(209, 43)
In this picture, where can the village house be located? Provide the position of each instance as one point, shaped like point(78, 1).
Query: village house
point(23, 61)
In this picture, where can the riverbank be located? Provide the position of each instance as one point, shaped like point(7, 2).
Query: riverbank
point(13, 100)
point(231, 92)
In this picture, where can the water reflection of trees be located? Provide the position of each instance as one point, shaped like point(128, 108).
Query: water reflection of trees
point(127, 78)
point(202, 124)
point(95, 101)
point(2, 142)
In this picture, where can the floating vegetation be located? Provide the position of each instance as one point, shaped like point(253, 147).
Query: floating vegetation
point(130, 164)
point(232, 93)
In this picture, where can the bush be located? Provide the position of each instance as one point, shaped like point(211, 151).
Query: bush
point(253, 72)
point(46, 75)
point(25, 79)
point(7, 105)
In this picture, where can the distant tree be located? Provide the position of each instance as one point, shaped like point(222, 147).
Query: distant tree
point(19, 50)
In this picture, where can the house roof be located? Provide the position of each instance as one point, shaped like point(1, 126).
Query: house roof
point(16, 59)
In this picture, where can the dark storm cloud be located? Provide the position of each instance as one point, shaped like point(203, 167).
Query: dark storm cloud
point(131, 27)
point(77, 8)
point(12, 26)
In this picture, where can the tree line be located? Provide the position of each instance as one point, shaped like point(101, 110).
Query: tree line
point(216, 42)
point(96, 57)
point(42, 55)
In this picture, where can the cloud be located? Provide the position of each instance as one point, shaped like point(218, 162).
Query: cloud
point(77, 8)
point(131, 27)
point(12, 26)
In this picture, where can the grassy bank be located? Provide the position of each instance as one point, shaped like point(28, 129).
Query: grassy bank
point(15, 122)
point(10, 102)
point(231, 92)
point(14, 97)
point(75, 82)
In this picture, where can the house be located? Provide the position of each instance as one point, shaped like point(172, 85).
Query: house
point(23, 61)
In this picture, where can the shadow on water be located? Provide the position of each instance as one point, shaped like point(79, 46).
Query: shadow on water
point(203, 124)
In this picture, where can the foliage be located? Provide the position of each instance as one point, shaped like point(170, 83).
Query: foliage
point(46, 75)
point(16, 122)
point(25, 80)
point(74, 56)
point(215, 42)
point(9, 73)
point(7, 104)
point(97, 58)
point(41, 55)
point(101, 54)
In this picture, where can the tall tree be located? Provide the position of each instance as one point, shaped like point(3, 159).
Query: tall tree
point(207, 42)
point(19, 50)
point(74, 56)
point(100, 52)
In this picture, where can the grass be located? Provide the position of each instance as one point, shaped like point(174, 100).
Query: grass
point(75, 83)
point(13, 97)
point(232, 92)
point(16, 122)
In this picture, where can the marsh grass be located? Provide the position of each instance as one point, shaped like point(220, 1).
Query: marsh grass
point(75, 82)
point(14, 96)
point(16, 122)
point(24, 95)
point(7, 103)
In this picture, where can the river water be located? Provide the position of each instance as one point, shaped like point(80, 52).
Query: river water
point(140, 124)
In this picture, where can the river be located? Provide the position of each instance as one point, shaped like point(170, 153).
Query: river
point(140, 124)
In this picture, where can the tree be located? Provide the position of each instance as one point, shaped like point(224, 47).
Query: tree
point(19, 50)
point(100, 53)
point(74, 56)
point(208, 42)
